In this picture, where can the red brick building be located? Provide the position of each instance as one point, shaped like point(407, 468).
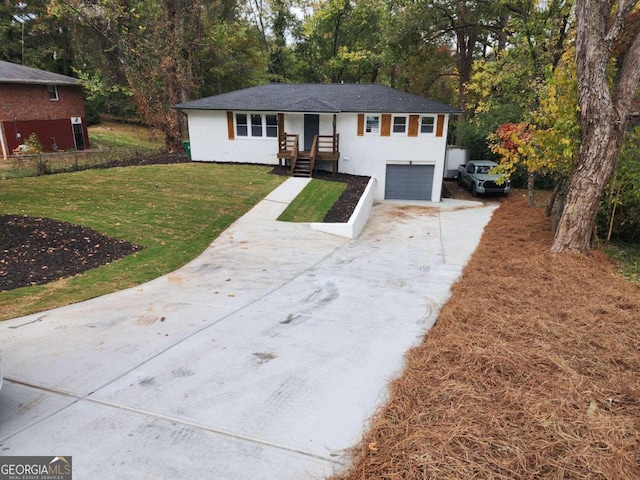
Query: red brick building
point(47, 104)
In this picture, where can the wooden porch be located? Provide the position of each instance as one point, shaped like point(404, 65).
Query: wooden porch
point(303, 162)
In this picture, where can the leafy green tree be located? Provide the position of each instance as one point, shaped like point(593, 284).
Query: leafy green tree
point(557, 137)
point(31, 36)
point(233, 58)
point(413, 62)
point(341, 42)
point(104, 97)
point(161, 52)
point(547, 141)
point(541, 29)
point(507, 85)
point(473, 27)
point(276, 23)
point(13, 22)
point(501, 91)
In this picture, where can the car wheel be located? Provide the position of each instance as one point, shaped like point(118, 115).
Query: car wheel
point(459, 177)
point(473, 190)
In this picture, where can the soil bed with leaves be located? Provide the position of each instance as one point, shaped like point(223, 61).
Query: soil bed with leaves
point(35, 251)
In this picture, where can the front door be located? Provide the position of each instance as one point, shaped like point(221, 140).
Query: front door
point(311, 129)
point(78, 134)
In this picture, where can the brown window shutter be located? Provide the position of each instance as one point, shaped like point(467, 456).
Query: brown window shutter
point(413, 125)
point(360, 124)
point(386, 125)
point(440, 126)
point(230, 125)
point(281, 129)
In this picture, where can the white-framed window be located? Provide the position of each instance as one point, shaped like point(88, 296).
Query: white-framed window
point(399, 125)
point(427, 124)
point(242, 128)
point(372, 124)
point(256, 125)
point(272, 125)
point(53, 92)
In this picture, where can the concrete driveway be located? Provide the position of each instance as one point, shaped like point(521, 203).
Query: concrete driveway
point(261, 359)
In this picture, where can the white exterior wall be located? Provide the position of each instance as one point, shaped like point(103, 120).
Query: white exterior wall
point(370, 154)
point(210, 142)
point(294, 123)
point(359, 155)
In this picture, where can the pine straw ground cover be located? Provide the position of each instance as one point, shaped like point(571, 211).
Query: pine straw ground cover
point(531, 371)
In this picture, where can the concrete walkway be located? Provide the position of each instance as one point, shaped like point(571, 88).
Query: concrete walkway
point(261, 359)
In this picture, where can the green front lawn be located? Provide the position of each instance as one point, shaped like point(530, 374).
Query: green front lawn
point(119, 135)
point(174, 211)
point(313, 203)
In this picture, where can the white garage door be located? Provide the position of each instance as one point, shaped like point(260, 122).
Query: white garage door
point(409, 182)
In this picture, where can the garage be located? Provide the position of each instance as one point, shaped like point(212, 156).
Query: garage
point(408, 182)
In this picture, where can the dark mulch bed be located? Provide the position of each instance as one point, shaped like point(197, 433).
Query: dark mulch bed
point(35, 251)
point(344, 207)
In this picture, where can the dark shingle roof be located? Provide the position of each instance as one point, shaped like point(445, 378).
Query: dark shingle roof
point(14, 73)
point(320, 98)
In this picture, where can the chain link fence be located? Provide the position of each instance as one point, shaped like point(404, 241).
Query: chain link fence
point(17, 166)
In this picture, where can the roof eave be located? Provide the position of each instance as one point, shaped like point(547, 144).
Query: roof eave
point(39, 82)
point(284, 110)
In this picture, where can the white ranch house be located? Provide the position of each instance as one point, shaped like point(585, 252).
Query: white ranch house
point(399, 139)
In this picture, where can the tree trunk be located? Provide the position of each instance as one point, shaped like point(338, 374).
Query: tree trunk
point(611, 223)
point(173, 138)
point(558, 214)
point(502, 33)
point(531, 178)
point(603, 115)
point(554, 195)
point(466, 39)
point(599, 152)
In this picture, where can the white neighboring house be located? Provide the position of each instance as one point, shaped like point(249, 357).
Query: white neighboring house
point(400, 139)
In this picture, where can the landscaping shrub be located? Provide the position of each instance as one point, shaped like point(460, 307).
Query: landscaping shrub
point(619, 215)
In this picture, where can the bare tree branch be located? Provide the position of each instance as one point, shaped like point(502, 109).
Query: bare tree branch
point(624, 9)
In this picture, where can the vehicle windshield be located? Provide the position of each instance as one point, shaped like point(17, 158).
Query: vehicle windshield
point(483, 169)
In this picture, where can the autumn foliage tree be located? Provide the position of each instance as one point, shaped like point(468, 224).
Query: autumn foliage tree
point(161, 51)
point(547, 143)
point(513, 143)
